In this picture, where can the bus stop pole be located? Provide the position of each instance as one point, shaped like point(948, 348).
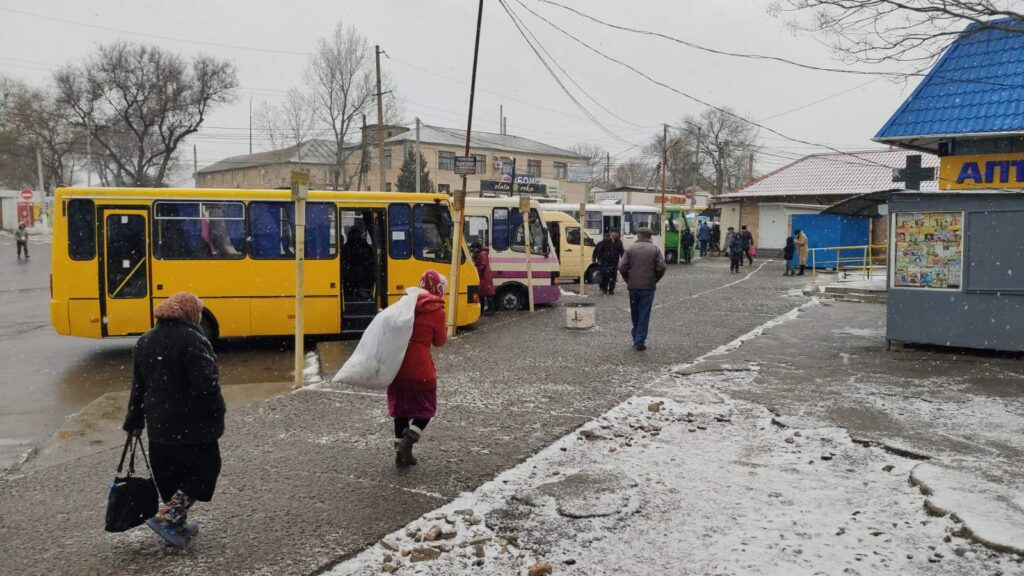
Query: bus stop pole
point(583, 246)
point(300, 192)
point(525, 212)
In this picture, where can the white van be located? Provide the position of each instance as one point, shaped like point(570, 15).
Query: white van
point(574, 257)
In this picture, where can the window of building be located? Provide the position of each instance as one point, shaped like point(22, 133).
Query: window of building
point(533, 168)
point(481, 163)
point(387, 158)
point(387, 186)
point(477, 229)
point(272, 228)
point(447, 189)
point(81, 229)
point(432, 232)
point(499, 234)
point(445, 160)
point(199, 230)
point(561, 170)
point(400, 230)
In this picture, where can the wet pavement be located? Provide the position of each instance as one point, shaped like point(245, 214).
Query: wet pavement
point(308, 477)
point(45, 377)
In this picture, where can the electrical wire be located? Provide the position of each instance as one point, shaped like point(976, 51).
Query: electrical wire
point(558, 80)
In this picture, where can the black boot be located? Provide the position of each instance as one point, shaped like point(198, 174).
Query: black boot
point(801, 272)
point(403, 450)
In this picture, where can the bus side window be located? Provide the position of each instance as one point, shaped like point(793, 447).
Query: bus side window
point(321, 242)
point(477, 229)
point(500, 231)
point(572, 235)
point(81, 229)
point(199, 230)
point(272, 230)
point(432, 232)
point(400, 231)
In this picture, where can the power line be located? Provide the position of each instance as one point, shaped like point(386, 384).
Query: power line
point(558, 80)
point(156, 36)
point(695, 46)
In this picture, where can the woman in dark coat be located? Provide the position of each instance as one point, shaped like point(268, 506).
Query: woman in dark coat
point(412, 396)
point(687, 245)
point(176, 393)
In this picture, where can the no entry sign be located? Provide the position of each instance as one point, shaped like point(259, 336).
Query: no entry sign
point(26, 194)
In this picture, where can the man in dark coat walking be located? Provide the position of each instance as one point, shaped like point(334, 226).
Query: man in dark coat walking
point(176, 393)
point(606, 255)
point(642, 266)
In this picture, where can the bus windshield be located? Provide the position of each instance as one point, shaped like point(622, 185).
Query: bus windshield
point(645, 220)
point(538, 235)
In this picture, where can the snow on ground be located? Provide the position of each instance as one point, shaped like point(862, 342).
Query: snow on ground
point(693, 484)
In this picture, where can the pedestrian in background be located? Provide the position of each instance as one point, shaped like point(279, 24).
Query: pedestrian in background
point(704, 237)
point(482, 261)
point(607, 254)
point(730, 233)
point(642, 266)
point(734, 247)
point(801, 250)
point(716, 237)
point(176, 394)
point(787, 255)
point(21, 239)
point(748, 243)
point(687, 245)
point(412, 396)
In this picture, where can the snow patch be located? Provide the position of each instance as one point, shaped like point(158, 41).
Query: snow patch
point(988, 513)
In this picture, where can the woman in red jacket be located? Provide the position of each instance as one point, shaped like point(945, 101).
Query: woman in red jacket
point(482, 261)
point(412, 396)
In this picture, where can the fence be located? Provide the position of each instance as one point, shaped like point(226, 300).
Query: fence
point(844, 260)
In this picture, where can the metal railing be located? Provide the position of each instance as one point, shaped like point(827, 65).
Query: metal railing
point(843, 260)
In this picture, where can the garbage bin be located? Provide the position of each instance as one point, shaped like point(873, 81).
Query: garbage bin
point(580, 315)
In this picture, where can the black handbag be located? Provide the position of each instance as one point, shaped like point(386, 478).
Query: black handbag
point(132, 499)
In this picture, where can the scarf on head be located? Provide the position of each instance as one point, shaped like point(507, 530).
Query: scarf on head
point(434, 282)
point(184, 306)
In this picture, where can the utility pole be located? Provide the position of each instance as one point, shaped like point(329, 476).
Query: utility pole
point(664, 166)
point(42, 186)
point(380, 125)
point(417, 154)
point(250, 125)
point(750, 166)
point(195, 167)
point(460, 196)
point(362, 157)
point(88, 155)
point(300, 193)
point(501, 118)
point(608, 169)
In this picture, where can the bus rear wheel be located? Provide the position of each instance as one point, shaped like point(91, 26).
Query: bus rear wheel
point(208, 325)
point(670, 257)
point(512, 298)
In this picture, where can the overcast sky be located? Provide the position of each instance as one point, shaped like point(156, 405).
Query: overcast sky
point(430, 46)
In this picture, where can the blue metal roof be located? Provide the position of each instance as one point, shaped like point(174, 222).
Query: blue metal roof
point(975, 88)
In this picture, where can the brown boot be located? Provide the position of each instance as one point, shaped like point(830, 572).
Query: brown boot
point(403, 451)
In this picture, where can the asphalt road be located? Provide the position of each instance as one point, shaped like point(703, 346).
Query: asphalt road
point(308, 477)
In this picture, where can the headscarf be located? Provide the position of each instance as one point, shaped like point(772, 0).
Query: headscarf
point(434, 282)
point(184, 306)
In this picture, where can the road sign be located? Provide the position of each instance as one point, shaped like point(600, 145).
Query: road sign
point(465, 165)
point(26, 194)
point(524, 204)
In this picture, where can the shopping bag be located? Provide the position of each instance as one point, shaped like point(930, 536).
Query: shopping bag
point(132, 499)
point(380, 352)
point(753, 251)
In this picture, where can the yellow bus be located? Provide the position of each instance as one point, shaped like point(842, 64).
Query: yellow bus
point(119, 252)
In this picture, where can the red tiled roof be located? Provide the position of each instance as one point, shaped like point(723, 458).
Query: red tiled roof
point(837, 175)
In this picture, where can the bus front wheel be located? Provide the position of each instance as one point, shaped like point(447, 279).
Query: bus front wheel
point(512, 298)
point(670, 257)
point(594, 274)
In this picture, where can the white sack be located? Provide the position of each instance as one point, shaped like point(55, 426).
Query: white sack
point(379, 354)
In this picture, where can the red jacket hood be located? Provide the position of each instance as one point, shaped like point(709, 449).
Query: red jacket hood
point(428, 302)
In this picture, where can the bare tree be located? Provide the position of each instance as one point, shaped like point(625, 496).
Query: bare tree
point(725, 142)
point(139, 103)
point(288, 124)
point(597, 159)
point(31, 121)
point(635, 172)
point(340, 76)
point(682, 168)
point(915, 31)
